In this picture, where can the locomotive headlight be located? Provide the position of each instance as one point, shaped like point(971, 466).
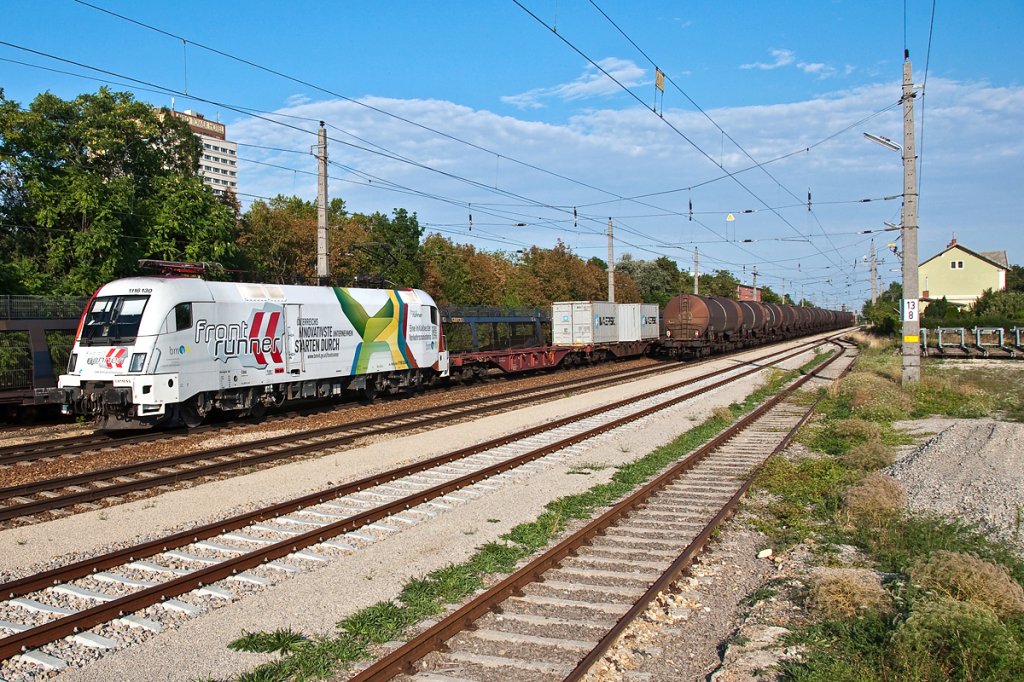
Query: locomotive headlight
point(72, 362)
point(138, 360)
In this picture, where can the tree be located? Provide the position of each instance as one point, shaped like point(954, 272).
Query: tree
point(719, 283)
point(769, 296)
point(83, 184)
point(1015, 278)
point(885, 313)
point(657, 280)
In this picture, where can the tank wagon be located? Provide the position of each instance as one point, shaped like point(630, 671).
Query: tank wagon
point(695, 326)
point(151, 350)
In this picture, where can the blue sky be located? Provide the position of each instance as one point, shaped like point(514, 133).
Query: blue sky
point(517, 126)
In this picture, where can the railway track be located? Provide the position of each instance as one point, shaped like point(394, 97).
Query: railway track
point(554, 618)
point(72, 445)
point(92, 602)
point(37, 497)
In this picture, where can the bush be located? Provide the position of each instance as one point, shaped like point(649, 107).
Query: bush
point(874, 498)
point(869, 456)
point(965, 577)
point(847, 592)
point(947, 639)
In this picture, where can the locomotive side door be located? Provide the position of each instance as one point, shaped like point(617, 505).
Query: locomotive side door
point(295, 361)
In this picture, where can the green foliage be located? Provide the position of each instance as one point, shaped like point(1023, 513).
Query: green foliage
point(884, 314)
point(15, 360)
point(719, 283)
point(281, 641)
point(92, 185)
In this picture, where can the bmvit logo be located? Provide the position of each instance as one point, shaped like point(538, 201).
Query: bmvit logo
point(256, 342)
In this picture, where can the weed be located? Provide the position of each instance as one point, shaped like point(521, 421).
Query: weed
point(846, 592)
point(869, 456)
point(379, 623)
point(875, 497)
point(954, 640)
point(763, 593)
point(586, 468)
point(964, 577)
point(280, 641)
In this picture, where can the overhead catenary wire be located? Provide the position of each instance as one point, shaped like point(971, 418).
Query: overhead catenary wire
point(283, 115)
point(357, 102)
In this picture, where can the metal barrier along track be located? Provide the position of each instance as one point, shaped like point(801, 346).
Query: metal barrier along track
point(302, 531)
point(556, 616)
point(48, 495)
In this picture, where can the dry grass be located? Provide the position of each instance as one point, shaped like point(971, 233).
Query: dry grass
point(869, 456)
point(856, 430)
point(877, 396)
point(965, 577)
point(874, 498)
point(868, 341)
point(846, 592)
point(723, 413)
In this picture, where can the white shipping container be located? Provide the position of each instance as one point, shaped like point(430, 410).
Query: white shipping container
point(605, 318)
point(650, 322)
point(592, 322)
point(561, 324)
point(629, 322)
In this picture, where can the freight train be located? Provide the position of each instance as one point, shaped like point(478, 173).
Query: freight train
point(171, 349)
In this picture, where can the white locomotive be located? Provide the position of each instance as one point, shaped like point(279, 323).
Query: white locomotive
point(172, 349)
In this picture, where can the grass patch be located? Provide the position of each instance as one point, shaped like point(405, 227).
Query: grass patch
point(309, 659)
point(952, 603)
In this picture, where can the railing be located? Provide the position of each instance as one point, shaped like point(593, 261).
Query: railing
point(41, 308)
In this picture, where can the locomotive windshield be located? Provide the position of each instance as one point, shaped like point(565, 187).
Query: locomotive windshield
point(113, 320)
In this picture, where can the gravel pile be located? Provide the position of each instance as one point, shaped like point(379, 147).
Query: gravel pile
point(972, 470)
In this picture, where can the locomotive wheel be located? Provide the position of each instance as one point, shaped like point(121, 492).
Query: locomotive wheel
point(193, 411)
point(371, 390)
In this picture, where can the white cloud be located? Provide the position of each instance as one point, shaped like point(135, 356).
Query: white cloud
point(591, 83)
point(782, 58)
point(970, 168)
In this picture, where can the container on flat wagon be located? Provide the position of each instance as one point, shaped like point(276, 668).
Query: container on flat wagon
point(592, 322)
point(629, 322)
point(561, 324)
point(650, 321)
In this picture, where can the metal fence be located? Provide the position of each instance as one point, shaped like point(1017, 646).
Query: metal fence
point(41, 308)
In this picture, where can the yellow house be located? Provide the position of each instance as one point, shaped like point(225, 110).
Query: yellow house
point(961, 275)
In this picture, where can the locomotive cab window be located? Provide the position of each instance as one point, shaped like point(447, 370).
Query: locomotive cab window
point(433, 315)
point(113, 320)
point(182, 316)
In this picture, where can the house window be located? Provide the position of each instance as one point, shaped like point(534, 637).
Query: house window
point(956, 265)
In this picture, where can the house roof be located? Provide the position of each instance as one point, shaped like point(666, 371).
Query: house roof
point(996, 258)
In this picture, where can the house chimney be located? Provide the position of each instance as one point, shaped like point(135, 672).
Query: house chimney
point(952, 242)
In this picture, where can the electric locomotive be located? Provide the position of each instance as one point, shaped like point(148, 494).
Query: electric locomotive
point(159, 350)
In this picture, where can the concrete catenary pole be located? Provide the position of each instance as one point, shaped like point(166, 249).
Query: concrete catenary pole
point(874, 275)
point(323, 266)
point(696, 272)
point(611, 264)
point(911, 321)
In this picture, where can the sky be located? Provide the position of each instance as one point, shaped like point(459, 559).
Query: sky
point(513, 123)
